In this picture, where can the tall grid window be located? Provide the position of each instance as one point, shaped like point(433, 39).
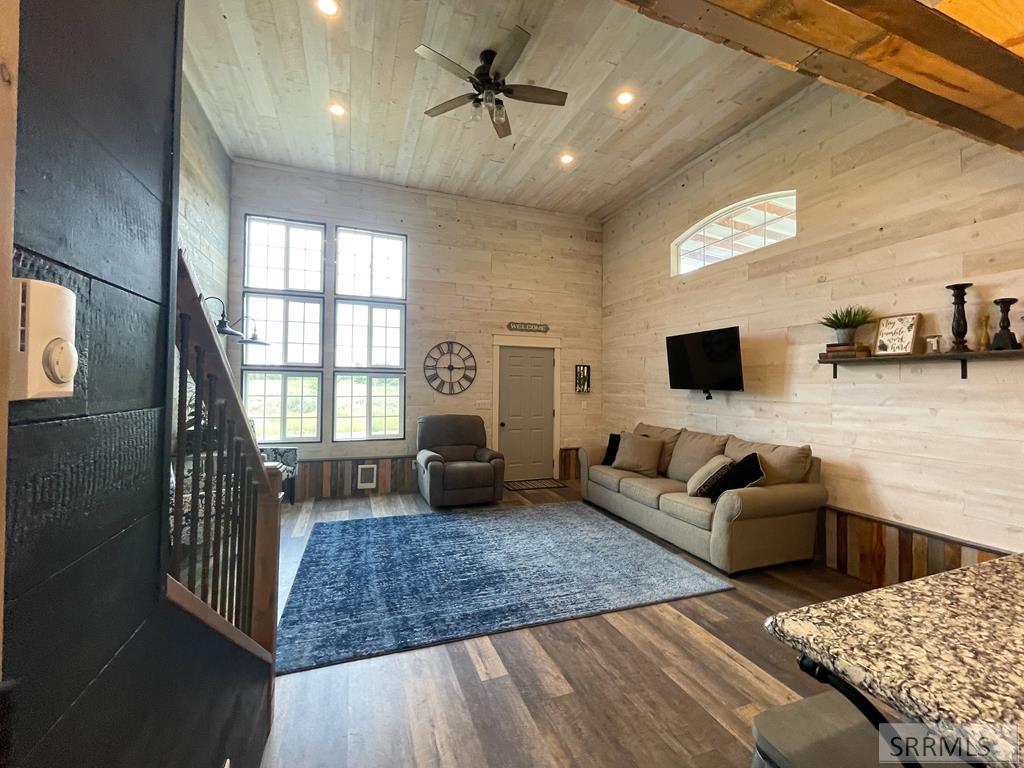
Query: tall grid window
point(302, 302)
point(735, 230)
point(369, 336)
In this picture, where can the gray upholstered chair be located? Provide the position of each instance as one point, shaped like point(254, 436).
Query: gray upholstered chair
point(453, 463)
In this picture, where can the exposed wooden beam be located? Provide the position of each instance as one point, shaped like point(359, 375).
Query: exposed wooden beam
point(8, 133)
point(998, 20)
point(903, 53)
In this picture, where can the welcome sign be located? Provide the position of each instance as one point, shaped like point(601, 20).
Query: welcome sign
point(528, 327)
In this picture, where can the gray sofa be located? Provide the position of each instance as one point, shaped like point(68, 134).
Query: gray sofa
point(453, 463)
point(747, 528)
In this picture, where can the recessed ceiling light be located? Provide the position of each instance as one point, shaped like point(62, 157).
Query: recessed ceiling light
point(329, 7)
point(337, 110)
point(567, 159)
point(624, 98)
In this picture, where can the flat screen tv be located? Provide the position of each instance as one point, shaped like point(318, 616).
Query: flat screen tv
point(708, 360)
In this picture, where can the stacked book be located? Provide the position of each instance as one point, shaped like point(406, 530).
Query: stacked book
point(844, 352)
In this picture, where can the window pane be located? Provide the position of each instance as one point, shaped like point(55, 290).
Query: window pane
point(355, 254)
point(386, 406)
point(265, 253)
point(389, 267)
point(741, 228)
point(352, 335)
point(689, 262)
point(370, 264)
point(350, 406)
point(263, 393)
point(387, 337)
point(266, 315)
point(302, 407)
point(303, 332)
point(292, 326)
point(305, 258)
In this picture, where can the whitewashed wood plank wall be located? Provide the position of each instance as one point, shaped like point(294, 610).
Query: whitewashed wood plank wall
point(890, 211)
point(473, 267)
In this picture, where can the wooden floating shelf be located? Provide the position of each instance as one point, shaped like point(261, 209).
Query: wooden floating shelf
point(961, 357)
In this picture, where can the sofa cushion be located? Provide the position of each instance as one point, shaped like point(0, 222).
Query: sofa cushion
point(609, 477)
point(647, 490)
point(668, 437)
point(612, 449)
point(705, 477)
point(467, 474)
point(781, 463)
point(694, 510)
point(456, 452)
point(693, 450)
point(745, 473)
point(638, 454)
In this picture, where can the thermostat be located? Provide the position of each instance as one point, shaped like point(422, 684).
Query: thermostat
point(44, 360)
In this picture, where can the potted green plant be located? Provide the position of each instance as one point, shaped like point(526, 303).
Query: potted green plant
point(846, 321)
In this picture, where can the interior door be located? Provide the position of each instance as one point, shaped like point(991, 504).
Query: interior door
point(526, 412)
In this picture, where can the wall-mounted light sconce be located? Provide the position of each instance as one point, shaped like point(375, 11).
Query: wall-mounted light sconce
point(582, 379)
point(226, 328)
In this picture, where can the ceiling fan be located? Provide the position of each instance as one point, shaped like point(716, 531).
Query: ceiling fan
point(488, 81)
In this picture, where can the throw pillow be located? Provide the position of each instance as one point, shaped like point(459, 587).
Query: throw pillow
point(705, 478)
point(638, 454)
point(782, 463)
point(611, 450)
point(694, 450)
point(667, 435)
point(745, 473)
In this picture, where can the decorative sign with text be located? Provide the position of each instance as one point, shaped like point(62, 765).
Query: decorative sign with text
point(528, 327)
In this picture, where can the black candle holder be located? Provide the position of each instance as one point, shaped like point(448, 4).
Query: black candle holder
point(959, 317)
point(1004, 338)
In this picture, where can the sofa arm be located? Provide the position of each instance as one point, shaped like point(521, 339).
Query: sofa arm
point(585, 463)
point(488, 455)
point(769, 501)
point(425, 457)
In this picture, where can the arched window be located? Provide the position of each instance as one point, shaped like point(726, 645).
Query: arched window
point(737, 229)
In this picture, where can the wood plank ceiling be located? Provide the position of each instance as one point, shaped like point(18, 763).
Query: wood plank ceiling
point(956, 63)
point(266, 70)
point(1001, 21)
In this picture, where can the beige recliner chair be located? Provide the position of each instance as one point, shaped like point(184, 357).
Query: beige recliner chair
point(454, 465)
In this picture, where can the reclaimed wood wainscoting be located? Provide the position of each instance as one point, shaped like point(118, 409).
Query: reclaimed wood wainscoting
point(336, 478)
point(881, 553)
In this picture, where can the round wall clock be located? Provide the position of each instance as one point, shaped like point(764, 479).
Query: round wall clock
point(449, 367)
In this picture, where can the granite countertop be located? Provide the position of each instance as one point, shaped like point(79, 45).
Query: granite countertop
point(947, 650)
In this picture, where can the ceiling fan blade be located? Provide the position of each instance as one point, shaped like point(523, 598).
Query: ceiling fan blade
point(509, 53)
point(451, 104)
point(444, 62)
point(504, 128)
point(536, 94)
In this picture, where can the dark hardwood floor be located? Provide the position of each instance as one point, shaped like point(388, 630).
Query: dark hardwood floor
point(674, 684)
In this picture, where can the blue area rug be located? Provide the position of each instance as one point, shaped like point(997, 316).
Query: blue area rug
point(383, 584)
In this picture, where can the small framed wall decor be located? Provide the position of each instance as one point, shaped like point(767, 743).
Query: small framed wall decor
point(896, 334)
point(582, 379)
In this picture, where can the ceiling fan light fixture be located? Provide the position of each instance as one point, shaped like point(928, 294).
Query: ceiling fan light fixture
point(489, 100)
point(475, 114)
point(499, 112)
point(625, 98)
point(327, 7)
point(567, 158)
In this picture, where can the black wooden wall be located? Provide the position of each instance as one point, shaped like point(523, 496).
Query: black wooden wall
point(109, 674)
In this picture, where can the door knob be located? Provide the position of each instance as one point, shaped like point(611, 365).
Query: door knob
point(501, 424)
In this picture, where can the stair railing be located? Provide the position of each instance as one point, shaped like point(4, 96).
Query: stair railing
point(225, 505)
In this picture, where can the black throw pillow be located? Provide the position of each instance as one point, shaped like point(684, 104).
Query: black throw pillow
point(612, 450)
point(743, 474)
